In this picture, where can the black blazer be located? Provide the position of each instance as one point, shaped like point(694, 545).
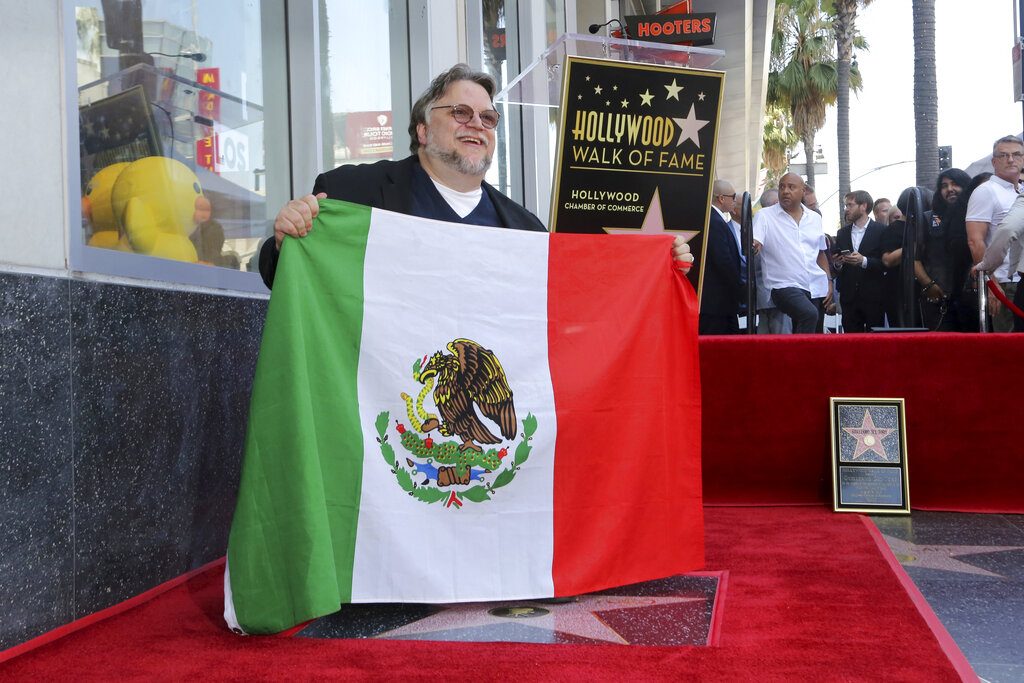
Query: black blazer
point(862, 285)
point(722, 290)
point(388, 185)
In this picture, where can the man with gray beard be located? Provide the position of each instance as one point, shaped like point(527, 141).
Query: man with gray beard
point(451, 129)
point(452, 142)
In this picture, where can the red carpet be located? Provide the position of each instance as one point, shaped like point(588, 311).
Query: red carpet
point(765, 424)
point(810, 597)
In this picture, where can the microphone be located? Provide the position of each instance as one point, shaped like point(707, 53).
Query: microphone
point(196, 56)
point(594, 28)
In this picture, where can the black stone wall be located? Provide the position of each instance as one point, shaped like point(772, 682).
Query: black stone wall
point(122, 417)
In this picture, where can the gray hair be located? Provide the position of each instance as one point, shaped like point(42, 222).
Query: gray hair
point(438, 87)
point(1013, 139)
point(769, 197)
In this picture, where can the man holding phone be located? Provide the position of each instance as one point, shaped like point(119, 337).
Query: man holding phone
point(858, 256)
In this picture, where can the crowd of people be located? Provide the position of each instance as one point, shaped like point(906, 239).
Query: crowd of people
point(802, 275)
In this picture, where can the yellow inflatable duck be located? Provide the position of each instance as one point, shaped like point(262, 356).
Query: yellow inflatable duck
point(99, 211)
point(158, 202)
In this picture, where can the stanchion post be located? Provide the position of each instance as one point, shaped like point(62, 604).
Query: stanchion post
point(915, 226)
point(982, 303)
point(747, 238)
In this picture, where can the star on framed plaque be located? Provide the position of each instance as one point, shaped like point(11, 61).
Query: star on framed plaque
point(869, 455)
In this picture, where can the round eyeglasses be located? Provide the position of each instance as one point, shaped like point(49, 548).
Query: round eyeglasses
point(463, 113)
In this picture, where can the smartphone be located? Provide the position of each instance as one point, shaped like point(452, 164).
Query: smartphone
point(845, 252)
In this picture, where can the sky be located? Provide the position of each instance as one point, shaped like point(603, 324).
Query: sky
point(975, 87)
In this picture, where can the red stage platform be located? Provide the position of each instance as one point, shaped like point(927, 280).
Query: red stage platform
point(766, 415)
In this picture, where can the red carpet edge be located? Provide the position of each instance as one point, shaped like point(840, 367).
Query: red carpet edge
point(946, 642)
point(104, 614)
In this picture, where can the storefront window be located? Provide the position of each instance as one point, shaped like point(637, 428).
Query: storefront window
point(356, 82)
point(495, 62)
point(504, 54)
point(182, 119)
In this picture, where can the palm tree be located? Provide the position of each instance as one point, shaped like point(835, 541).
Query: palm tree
point(778, 142)
point(802, 76)
point(844, 23)
point(926, 98)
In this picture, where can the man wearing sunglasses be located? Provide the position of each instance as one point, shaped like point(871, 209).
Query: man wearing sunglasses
point(723, 288)
point(452, 142)
point(986, 209)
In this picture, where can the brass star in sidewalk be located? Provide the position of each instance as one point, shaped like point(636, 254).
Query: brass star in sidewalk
point(869, 437)
point(580, 617)
point(944, 556)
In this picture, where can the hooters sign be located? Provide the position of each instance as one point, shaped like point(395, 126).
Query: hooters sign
point(692, 29)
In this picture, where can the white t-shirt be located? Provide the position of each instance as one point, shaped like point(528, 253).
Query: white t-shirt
point(789, 251)
point(462, 203)
point(990, 203)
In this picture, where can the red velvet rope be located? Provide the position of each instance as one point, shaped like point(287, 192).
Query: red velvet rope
point(1001, 295)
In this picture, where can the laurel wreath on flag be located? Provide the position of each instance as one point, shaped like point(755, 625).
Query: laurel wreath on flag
point(429, 493)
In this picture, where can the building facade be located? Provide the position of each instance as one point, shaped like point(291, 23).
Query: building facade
point(130, 342)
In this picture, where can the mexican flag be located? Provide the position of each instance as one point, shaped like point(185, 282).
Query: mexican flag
point(446, 413)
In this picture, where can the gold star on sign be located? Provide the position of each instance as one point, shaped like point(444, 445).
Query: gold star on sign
point(673, 91)
point(615, 87)
point(700, 96)
point(607, 103)
point(588, 78)
point(689, 127)
point(625, 103)
point(579, 97)
point(654, 223)
point(597, 90)
point(646, 97)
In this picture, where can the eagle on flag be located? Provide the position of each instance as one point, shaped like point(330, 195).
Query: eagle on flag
point(470, 374)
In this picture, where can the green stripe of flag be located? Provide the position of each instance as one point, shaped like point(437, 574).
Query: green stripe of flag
point(292, 541)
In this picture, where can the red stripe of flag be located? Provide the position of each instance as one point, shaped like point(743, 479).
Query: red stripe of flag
point(622, 334)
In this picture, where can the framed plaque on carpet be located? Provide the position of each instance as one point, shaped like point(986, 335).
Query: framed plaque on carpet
point(869, 455)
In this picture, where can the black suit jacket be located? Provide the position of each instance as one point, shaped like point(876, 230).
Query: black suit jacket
point(388, 185)
point(722, 288)
point(858, 286)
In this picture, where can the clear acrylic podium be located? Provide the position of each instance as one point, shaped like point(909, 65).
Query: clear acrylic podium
point(540, 84)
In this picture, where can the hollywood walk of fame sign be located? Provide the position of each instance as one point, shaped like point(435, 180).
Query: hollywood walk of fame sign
point(869, 455)
point(637, 150)
point(116, 128)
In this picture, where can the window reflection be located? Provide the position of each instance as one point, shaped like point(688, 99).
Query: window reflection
point(172, 127)
point(356, 71)
point(496, 64)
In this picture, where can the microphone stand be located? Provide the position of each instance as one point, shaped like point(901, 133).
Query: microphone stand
point(594, 28)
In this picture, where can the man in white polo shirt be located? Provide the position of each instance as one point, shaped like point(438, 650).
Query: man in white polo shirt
point(986, 209)
point(791, 242)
